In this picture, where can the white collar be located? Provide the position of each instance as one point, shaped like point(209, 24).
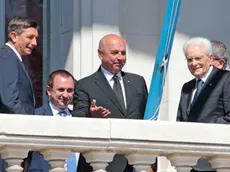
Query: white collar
point(56, 110)
point(205, 77)
point(109, 75)
point(15, 51)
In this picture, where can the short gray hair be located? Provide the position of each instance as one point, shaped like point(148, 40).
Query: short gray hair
point(19, 23)
point(219, 50)
point(199, 41)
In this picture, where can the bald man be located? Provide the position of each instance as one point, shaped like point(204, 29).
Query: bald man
point(111, 93)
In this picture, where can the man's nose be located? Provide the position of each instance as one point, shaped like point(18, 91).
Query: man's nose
point(34, 42)
point(194, 62)
point(119, 55)
point(65, 94)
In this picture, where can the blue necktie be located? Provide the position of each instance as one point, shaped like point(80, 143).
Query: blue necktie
point(62, 113)
point(199, 84)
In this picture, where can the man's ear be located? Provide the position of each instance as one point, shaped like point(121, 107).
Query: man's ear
point(222, 61)
point(48, 90)
point(99, 54)
point(13, 37)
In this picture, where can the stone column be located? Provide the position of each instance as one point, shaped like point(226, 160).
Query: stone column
point(221, 164)
point(14, 157)
point(57, 159)
point(99, 160)
point(183, 163)
point(141, 162)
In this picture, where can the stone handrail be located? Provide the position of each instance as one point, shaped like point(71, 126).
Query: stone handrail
point(100, 139)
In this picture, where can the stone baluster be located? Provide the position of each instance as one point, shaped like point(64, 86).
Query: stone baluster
point(57, 159)
point(183, 163)
point(14, 157)
point(164, 165)
point(141, 162)
point(221, 163)
point(99, 160)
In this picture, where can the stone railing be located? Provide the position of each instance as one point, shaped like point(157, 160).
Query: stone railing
point(100, 139)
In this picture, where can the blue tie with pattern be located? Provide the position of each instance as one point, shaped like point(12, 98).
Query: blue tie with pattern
point(199, 84)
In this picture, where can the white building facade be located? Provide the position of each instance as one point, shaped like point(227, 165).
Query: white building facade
point(71, 30)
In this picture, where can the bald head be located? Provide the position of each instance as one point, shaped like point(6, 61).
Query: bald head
point(108, 38)
point(112, 52)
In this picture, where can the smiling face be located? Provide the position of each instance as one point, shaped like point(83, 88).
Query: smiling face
point(197, 60)
point(112, 52)
point(24, 42)
point(61, 93)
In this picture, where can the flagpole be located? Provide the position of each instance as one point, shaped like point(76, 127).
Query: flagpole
point(162, 59)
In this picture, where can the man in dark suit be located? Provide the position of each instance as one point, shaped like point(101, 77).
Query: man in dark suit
point(16, 90)
point(59, 88)
point(206, 98)
point(111, 93)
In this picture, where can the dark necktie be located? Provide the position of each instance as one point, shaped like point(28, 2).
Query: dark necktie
point(62, 113)
point(118, 91)
point(199, 84)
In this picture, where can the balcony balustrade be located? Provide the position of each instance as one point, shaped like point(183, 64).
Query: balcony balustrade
point(178, 145)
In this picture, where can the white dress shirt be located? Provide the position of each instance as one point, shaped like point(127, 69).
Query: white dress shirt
point(15, 51)
point(109, 77)
point(56, 110)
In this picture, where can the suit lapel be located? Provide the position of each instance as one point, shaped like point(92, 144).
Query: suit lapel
point(211, 83)
point(24, 69)
point(103, 84)
point(128, 92)
point(47, 110)
point(188, 98)
point(27, 75)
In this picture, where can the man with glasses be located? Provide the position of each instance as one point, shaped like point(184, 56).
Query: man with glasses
point(220, 55)
point(206, 98)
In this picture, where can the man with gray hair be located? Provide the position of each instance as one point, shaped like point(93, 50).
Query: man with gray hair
point(198, 103)
point(16, 90)
point(206, 98)
point(220, 54)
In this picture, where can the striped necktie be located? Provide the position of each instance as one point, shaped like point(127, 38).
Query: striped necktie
point(118, 91)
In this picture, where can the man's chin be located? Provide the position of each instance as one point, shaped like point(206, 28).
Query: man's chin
point(197, 75)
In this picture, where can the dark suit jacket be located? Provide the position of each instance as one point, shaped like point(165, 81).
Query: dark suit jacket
point(213, 103)
point(16, 92)
point(44, 110)
point(97, 87)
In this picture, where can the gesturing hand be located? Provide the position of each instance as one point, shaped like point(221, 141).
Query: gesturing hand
point(98, 111)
